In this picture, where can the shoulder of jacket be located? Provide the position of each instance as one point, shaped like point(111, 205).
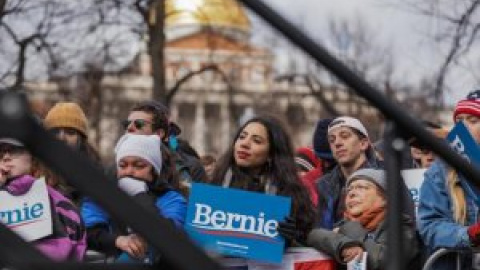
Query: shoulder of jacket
point(330, 177)
point(436, 172)
point(169, 195)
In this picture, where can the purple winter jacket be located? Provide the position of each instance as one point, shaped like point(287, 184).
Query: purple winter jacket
point(68, 240)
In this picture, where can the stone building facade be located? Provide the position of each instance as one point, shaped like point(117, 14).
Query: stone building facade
point(237, 82)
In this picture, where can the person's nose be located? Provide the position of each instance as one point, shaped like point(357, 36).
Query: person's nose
point(129, 171)
point(353, 193)
point(131, 127)
point(336, 143)
point(245, 143)
point(61, 135)
point(6, 157)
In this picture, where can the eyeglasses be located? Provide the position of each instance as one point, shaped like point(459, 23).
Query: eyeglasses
point(137, 123)
point(361, 187)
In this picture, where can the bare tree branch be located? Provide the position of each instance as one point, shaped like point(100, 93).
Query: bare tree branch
point(319, 95)
point(455, 47)
point(175, 88)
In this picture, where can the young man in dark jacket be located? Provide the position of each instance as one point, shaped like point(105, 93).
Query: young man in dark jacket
point(352, 150)
point(151, 117)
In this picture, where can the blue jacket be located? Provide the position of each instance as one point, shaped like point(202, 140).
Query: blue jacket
point(102, 230)
point(436, 223)
point(171, 205)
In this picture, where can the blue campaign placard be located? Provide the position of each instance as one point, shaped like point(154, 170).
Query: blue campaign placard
point(237, 223)
point(462, 142)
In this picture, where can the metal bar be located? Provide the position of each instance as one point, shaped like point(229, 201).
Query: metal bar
point(91, 266)
point(391, 110)
point(394, 147)
point(10, 252)
point(81, 173)
point(434, 257)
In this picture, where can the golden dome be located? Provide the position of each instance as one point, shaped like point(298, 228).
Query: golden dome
point(214, 13)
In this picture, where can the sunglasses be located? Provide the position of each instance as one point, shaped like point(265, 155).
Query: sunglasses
point(137, 123)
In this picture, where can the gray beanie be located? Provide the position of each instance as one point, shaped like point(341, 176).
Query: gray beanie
point(143, 146)
point(374, 175)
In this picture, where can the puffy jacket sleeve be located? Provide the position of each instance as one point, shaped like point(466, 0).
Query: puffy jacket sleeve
point(172, 205)
point(436, 224)
point(92, 214)
point(99, 234)
point(330, 242)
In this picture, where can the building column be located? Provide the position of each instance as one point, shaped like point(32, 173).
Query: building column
point(173, 112)
point(225, 126)
point(200, 128)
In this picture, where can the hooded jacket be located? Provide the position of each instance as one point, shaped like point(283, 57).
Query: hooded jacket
point(68, 240)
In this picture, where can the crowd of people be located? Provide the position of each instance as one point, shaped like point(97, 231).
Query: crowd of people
point(337, 186)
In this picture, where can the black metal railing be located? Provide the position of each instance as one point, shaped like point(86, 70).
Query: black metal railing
point(16, 121)
point(402, 123)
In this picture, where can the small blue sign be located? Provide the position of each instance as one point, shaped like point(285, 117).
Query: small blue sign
point(237, 223)
point(461, 141)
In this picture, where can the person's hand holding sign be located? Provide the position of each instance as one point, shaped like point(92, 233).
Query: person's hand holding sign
point(350, 253)
point(132, 244)
point(288, 230)
point(4, 172)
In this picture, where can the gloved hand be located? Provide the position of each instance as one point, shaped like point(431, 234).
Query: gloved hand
point(132, 186)
point(288, 229)
point(474, 234)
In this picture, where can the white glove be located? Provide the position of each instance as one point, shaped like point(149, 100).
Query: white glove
point(132, 186)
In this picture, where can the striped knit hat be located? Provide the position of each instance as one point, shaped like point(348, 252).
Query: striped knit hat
point(470, 105)
point(305, 159)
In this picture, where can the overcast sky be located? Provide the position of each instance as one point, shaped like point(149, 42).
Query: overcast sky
point(409, 34)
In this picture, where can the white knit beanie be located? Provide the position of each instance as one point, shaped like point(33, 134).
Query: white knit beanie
point(143, 146)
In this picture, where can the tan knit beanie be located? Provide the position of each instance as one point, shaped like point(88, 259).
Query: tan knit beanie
point(67, 115)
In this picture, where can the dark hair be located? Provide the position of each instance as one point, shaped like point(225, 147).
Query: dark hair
point(280, 168)
point(207, 160)
point(159, 115)
point(56, 181)
point(168, 177)
point(87, 149)
point(360, 135)
point(187, 148)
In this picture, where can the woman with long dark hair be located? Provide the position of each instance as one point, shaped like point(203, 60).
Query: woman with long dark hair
point(261, 159)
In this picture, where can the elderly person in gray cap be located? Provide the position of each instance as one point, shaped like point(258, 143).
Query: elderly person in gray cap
point(363, 228)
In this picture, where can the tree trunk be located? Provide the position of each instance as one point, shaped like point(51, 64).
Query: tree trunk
point(3, 3)
point(156, 46)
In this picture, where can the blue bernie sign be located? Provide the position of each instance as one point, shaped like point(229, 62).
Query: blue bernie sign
point(461, 141)
point(237, 223)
